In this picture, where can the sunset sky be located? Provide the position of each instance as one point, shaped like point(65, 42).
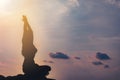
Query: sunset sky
point(78, 28)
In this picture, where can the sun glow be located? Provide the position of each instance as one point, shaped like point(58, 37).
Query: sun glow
point(4, 5)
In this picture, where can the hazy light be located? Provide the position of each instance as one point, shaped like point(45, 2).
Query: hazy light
point(4, 5)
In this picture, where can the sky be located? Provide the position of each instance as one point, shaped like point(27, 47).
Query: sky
point(77, 28)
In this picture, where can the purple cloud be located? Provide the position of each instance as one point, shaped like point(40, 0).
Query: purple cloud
point(102, 56)
point(97, 63)
point(78, 58)
point(59, 55)
point(106, 66)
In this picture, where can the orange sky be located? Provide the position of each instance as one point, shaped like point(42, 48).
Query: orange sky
point(11, 27)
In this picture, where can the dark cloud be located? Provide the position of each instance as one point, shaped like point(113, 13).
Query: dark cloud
point(97, 63)
point(59, 55)
point(102, 56)
point(106, 66)
point(78, 58)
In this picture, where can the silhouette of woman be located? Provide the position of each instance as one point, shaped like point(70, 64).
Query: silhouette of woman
point(28, 48)
point(28, 51)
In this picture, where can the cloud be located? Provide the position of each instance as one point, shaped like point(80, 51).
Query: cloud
point(114, 2)
point(106, 66)
point(59, 55)
point(66, 7)
point(97, 63)
point(74, 3)
point(102, 56)
point(78, 58)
